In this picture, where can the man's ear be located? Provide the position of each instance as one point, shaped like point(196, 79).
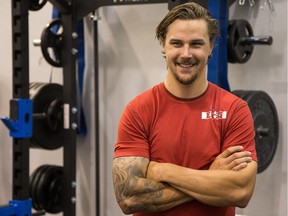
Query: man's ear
point(164, 54)
point(210, 54)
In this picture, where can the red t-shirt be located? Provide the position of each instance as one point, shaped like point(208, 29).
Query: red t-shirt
point(186, 132)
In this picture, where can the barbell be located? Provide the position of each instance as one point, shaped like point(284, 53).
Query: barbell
point(51, 42)
point(241, 41)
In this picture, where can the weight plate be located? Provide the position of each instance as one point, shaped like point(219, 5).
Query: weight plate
point(239, 93)
point(49, 189)
point(230, 41)
point(51, 42)
point(54, 115)
point(238, 51)
point(42, 95)
point(55, 202)
point(266, 125)
point(34, 181)
point(243, 94)
point(40, 186)
point(56, 190)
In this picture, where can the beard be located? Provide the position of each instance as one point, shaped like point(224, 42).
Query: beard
point(186, 81)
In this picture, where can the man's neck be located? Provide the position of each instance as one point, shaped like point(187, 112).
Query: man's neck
point(193, 90)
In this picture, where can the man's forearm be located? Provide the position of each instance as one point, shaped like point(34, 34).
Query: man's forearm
point(136, 193)
point(156, 201)
point(213, 187)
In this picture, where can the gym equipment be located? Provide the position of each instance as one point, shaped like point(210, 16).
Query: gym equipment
point(17, 208)
point(51, 42)
point(20, 122)
point(47, 115)
point(265, 123)
point(72, 12)
point(46, 188)
point(241, 41)
point(35, 5)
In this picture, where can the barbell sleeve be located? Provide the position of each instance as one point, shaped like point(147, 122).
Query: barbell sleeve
point(259, 40)
point(39, 116)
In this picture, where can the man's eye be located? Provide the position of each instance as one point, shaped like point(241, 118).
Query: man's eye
point(197, 44)
point(176, 44)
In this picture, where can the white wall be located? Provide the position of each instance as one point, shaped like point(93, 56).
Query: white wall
point(131, 62)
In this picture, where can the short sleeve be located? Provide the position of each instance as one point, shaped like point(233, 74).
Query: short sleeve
point(132, 136)
point(240, 129)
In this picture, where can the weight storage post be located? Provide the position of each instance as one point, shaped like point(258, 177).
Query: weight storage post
point(21, 143)
point(20, 88)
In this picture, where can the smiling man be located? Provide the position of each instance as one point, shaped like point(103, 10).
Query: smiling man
point(186, 146)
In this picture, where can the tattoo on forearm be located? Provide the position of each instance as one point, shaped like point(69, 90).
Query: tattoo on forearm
point(129, 181)
point(135, 193)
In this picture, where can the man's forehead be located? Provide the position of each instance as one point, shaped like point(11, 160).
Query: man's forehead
point(192, 27)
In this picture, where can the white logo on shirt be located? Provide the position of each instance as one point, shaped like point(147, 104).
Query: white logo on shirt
point(214, 115)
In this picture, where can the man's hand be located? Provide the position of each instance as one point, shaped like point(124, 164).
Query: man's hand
point(232, 158)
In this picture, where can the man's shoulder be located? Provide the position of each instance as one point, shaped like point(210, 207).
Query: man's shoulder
point(222, 93)
point(226, 98)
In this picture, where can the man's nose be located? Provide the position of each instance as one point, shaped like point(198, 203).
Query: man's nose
point(186, 51)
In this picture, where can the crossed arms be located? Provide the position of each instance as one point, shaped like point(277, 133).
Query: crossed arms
point(141, 185)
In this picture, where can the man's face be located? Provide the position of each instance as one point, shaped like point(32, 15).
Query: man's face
point(187, 48)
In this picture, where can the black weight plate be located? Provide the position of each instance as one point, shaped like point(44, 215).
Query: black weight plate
point(239, 93)
point(230, 42)
point(34, 178)
point(55, 191)
point(265, 119)
point(243, 94)
point(34, 181)
point(41, 186)
point(238, 51)
point(43, 190)
point(51, 42)
point(42, 95)
point(54, 115)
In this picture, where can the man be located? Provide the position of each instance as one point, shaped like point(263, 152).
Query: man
point(186, 146)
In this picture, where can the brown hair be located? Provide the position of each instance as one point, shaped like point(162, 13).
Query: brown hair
point(187, 11)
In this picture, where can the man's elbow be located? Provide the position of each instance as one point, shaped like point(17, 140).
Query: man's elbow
point(130, 206)
point(243, 197)
point(246, 189)
point(125, 206)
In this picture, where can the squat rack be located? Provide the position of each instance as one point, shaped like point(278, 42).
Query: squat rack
point(72, 11)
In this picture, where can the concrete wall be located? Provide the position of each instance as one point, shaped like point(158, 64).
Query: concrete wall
point(131, 62)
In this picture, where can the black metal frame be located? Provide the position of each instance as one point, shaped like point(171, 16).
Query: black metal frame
point(20, 88)
point(71, 12)
point(20, 50)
